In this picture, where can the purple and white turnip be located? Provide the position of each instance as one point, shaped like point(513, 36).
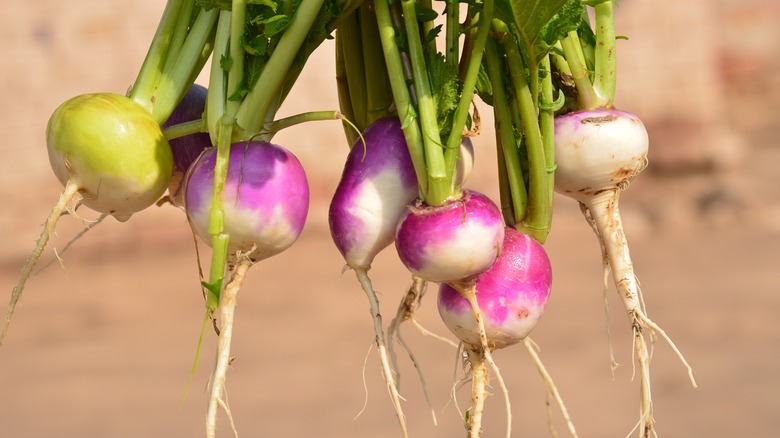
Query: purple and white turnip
point(265, 203)
point(377, 184)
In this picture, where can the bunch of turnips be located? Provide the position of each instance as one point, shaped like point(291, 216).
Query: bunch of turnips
point(408, 74)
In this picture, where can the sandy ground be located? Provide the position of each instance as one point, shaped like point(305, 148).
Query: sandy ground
point(102, 346)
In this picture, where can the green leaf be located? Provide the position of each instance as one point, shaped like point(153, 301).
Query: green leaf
point(425, 14)
point(212, 292)
point(530, 17)
point(275, 25)
point(443, 78)
point(567, 19)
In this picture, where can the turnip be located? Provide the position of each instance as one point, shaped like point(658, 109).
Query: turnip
point(512, 295)
point(599, 150)
point(110, 155)
point(455, 241)
point(507, 303)
point(598, 153)
point(265, 200)
point(377, 183)
point(187, 148)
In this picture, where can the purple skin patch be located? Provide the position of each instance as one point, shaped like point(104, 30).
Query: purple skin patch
point(511, 295)
point(573, 120)
point(377, 183)
point(187, 149)
point(453, 241)
point(266, 196)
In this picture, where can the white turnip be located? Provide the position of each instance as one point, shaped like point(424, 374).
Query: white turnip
point(598, 153)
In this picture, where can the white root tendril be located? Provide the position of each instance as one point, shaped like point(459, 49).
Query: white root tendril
point(552, 390)
point(365, 383)
point(69, 193)
point(58, 254)
point(406, 312)
point(614, 365)
point(227, 309)
point(603, 209)
point(479, 356)
point(365, 282)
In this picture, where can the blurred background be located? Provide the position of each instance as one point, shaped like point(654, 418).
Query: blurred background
point(103, 343)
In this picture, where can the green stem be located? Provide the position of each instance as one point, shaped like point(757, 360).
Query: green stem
point(439, 182)
point(219, 239)
point(401, 95)
point(149, 75)
point(469, 83)
point(505, 134)
point(253, 109)
point(378, 95)
point(237, 54)
point(217, 95)
point(272, 128)
point(452, 40)
point(586, 94)
point(342, 87)
point(547, 127)
point(536, 223)
point(349, 35)
point(606, 64)
point(175, 81)
point(180, 34)
point(185, 129)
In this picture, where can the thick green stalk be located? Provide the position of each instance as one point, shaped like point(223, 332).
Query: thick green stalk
point(401, 95)
point(547, 127)
point(219, 239)
point(379, 98)
point(469, 83)
point(536, 223)
point(586, 95)
point(237, 55)
point(342, 87)
point(439, 181)
point(505, 134)
point(149, 75)
point(452, 28)
point(253, 109)
point(217, 96)
point(180, 33)
point(175, 81)
point(606, 60)
point(351, 43)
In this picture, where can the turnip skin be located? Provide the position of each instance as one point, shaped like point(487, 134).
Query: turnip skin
point(186, 149)
point(598, 150)
point(265, 199)
point(112, 150)
point(451, 242)
point(598, 153)
point(377, 184)
point(512, 295)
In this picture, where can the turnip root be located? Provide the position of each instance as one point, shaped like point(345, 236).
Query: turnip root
point(110, 155)
point(598, 153)
point(377, 183)
point(265, 200)
point(498, 310)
